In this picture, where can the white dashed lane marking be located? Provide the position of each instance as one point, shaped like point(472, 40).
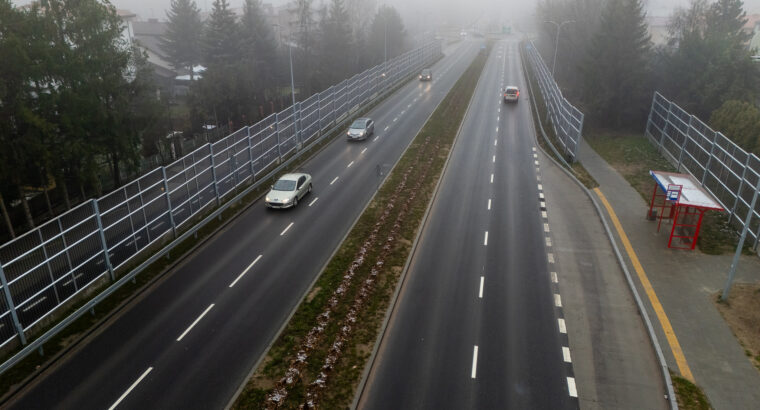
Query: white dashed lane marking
point(248, 268)
point(129, 390)
point(313, 201)
point(333, 181)
point(474, 362)
point(349, 164)
point(286, 229)
point(195, 322)
point(561, 323)
point(363, 151)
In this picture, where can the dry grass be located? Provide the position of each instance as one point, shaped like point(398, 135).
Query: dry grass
point(742, 313)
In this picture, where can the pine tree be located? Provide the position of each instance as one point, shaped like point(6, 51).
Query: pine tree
point(616, 70)
point(386, 35)
point(182, 41)
point(259, 47)
point(222, 43)
point(337, 49)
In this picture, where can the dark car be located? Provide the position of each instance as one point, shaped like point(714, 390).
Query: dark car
point(426, 75)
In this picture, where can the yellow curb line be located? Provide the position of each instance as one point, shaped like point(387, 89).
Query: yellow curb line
point(675, 347)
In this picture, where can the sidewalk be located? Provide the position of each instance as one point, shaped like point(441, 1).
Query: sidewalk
point(685, 282)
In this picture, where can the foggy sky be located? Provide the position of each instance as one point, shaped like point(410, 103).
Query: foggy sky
point(466, 10)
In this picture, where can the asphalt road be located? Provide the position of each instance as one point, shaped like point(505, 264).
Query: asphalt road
point(191, 340)
point(475, 326)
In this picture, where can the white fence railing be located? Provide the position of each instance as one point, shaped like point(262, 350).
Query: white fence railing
point(566, 120)
point(48, 266)
point(727, 171)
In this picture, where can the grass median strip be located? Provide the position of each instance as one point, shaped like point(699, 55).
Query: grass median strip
point(318, 359)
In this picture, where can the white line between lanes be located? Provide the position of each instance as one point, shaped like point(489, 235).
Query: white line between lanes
point(536, 162)
point(474, 361)
point(363, 151)
point(571, 387)
point(480, 293)
point(485, 240)
point(313, 201)
point(495, 142)
point(543, 215)
point(376, 137)
point(561, 323)
point(554, 277)
point(548, 241)
point(492, 178)
point(395, 119)
point(557, 300)
point(546, 227)
point(489, 204)
point(333, 181)
point(550, 257)
point(566, 354)
point(286, 229)
point(195, 323)
point(116, 403)
point(349, 164)
point(494, 158)
point(386, 129)
point(245, 271)
point(540, 187)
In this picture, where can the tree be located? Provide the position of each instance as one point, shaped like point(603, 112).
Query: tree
point(302, 39)
point(259, 50)
point(337, 60)
point(386, 35)
point(708, 62)
point(181, 43)
point(222, 36)
point(616, 72)
point(739, 121)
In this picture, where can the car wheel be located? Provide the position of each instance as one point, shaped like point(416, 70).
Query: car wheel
point(295, 201)
point(309, 188)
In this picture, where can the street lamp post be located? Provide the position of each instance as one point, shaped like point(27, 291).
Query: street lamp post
point(556, 41)
point(293, 89)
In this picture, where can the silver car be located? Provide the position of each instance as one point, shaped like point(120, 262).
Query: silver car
point(286, 192)
point(361, 129)
point(511, 94)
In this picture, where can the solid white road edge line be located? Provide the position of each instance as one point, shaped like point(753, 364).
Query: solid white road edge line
point(474, 361)
point(245, 271)
point(116, 403)
point(195, 323)
point(286, 229)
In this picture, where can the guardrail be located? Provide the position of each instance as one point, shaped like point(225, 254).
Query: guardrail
point(51, 265)
point(566, 120)
point(727, 171)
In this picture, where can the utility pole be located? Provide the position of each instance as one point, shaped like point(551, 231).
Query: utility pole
point(556, 41)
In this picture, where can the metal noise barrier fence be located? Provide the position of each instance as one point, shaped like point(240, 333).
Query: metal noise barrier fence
point(48, 266)
point(566, 120)
point(727, 171)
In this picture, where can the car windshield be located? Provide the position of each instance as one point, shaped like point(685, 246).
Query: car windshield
point(284, 185)
point(425, 72)
point(511, 91)
point(359, 124)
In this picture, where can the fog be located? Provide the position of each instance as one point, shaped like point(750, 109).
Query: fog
point(420, 15)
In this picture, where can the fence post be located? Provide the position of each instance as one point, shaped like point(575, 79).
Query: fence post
point(169, 203)
point(739, 191)
point(96, 209)
point(683, 146)
point(709, 159)
point(11, 307)
point(213, 173)
point(747, 220)
point(277, 132)
point(250, 153)
point(649, 118)
point(667, 126)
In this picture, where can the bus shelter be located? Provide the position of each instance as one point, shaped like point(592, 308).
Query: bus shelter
point(680, 199)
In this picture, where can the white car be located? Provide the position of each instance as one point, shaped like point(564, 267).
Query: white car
point(288, 190)
point(511, 94)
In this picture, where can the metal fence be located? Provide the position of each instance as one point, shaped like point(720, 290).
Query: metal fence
point(727, 171)
point(566, 120)
point(48, 266)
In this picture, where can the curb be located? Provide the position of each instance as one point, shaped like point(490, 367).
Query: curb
point(639, 303)
point(402, 279)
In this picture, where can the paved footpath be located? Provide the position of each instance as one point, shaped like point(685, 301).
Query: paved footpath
point(684, 283)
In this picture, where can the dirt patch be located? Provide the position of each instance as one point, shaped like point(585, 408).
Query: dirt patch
point(313, 293)
point(742, 313)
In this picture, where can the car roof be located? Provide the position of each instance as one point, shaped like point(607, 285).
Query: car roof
point(362, 119)
point(511, 87)
point(293, 176)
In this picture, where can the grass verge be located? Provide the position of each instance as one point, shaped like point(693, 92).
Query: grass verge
point(633, 156)
point(743, 317)
point(689, 395)
point(319, 357)
point(576, 168)
point(26, 369)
